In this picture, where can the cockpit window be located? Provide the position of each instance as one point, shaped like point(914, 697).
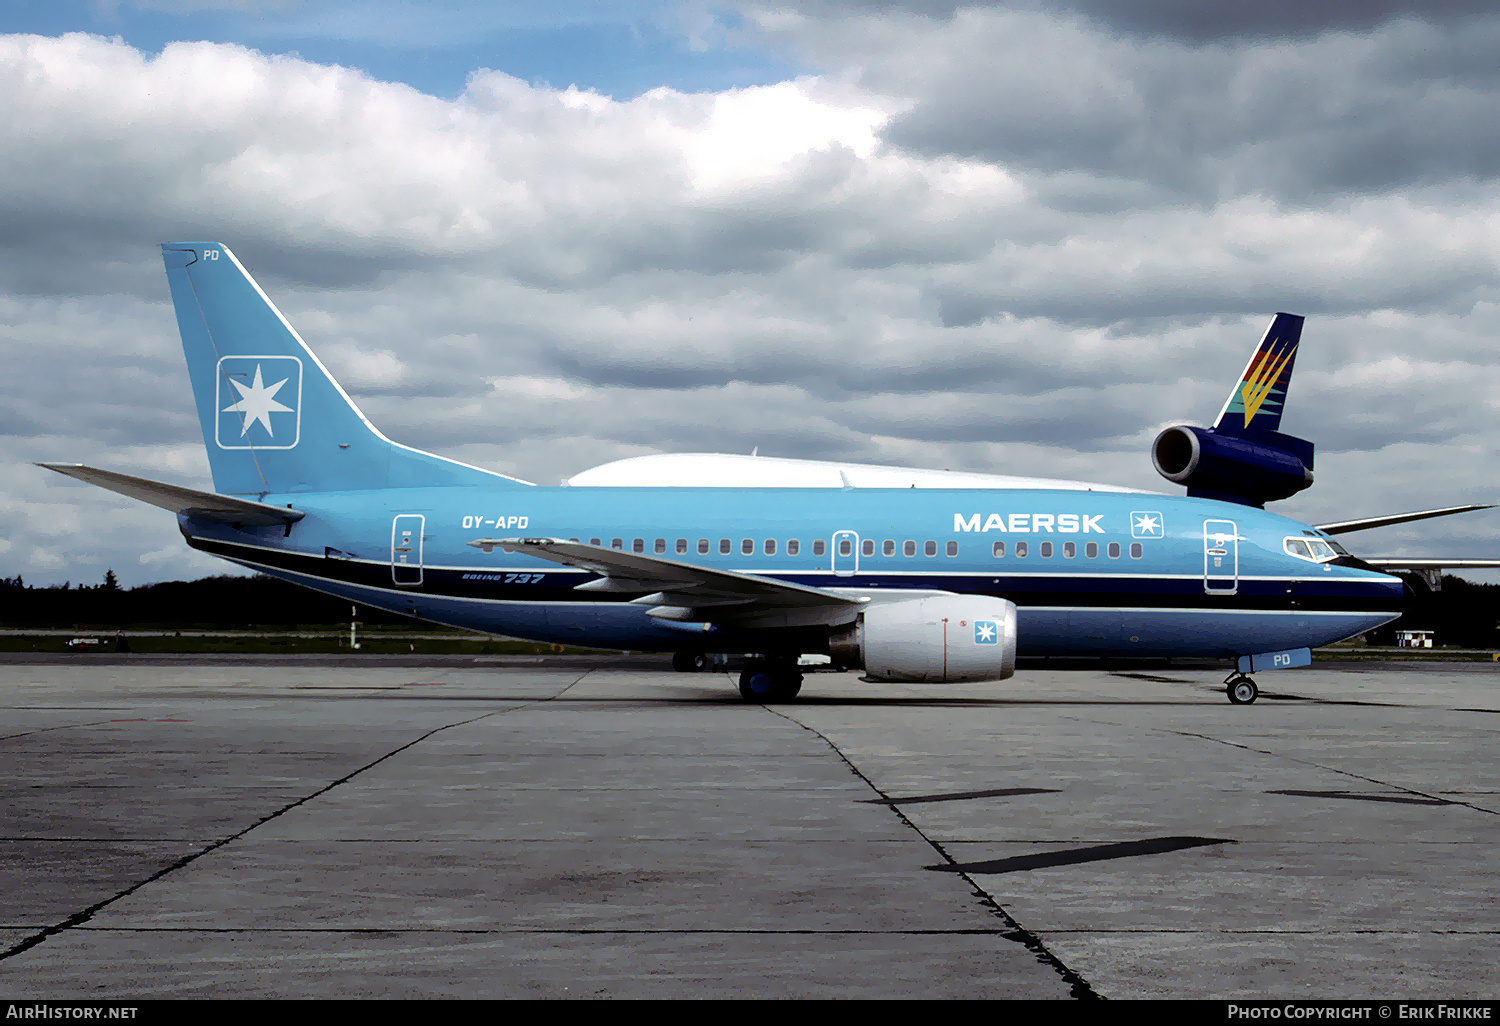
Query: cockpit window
point(1315, 550)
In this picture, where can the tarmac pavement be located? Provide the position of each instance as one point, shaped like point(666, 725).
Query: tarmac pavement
point(515, 827)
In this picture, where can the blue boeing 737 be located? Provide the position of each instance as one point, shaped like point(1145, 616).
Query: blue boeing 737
point(911, 575)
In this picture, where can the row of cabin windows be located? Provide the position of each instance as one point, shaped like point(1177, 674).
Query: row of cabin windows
point(1069, 550)
point(867, 548)
point(726, 547)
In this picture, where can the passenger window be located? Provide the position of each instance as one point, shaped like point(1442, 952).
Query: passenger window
point(953, 548)
point(1114, 550)
point(793, 546)
point(929, 548)
point(660, 546)
point(682, 546)
point(1070, 549)
point(1137, 550)
point(593, 541)
point(617, 543)
point(747, 546)
point(1046, 550)
point(770, 546)
point(819, 547)
point(887, 548)
point(867, 547)
point(908, 548)
point(1021, 549)
point(638, 545)
point(846, 547)
point(998, 549)
point(702, 546)
point(723, 546)
point(1091, 550)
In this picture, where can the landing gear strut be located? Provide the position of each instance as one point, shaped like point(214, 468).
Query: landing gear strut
point(1240, 688)
point(775, 679)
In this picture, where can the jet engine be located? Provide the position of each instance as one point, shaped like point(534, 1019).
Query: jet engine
point(944, 639)
point(1251, 468)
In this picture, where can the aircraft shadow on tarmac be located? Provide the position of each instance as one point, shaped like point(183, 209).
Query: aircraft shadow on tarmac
point(1075, 856)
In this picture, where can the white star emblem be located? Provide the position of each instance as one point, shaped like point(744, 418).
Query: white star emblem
point(1146, 524)
point(257, 403)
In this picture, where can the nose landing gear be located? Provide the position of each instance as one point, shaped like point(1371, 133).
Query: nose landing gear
point(1240, 688)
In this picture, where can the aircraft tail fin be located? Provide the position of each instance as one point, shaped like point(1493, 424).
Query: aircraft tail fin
point(1256, 402)
point(1244, 457)
point(273, 418)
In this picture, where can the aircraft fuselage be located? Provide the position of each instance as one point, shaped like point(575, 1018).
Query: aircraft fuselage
point(1090, 572)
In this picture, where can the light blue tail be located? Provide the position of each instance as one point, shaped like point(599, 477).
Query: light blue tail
point(273, 418)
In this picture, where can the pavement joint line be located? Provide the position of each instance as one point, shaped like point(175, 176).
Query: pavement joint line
point(1333, 769)
point(1272, 932)
point(79, 918)
point(1078, 987)
point(60, 726)
point(550, 930)
point(610, 931)
point(1437, 798)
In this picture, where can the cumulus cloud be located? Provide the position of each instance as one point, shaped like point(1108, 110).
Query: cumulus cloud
point(1380, 99)
point(932, 253)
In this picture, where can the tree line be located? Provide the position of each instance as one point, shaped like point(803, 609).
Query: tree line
point(221, 601)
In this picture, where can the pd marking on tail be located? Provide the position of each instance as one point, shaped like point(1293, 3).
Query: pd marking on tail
point(264, 385)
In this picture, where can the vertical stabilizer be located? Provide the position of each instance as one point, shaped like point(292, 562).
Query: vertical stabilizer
point(1257, 401)
point(273, 418)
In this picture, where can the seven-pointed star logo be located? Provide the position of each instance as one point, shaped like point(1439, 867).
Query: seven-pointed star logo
point(986, 632)
point(257, 402)
point(1145, 525)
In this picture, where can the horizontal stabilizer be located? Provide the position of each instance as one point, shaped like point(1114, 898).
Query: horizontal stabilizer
point(207, 505)
point(1346, 526)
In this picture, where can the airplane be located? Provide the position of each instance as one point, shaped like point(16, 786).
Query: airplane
point(913, 576)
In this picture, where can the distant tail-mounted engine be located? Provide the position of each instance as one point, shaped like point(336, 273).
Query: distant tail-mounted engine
point(1252, 469)
point(946, 639)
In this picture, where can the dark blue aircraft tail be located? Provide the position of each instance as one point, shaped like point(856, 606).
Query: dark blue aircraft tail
point(1244, 457)
point(273, 418)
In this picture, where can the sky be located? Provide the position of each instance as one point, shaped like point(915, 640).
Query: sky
point(1014, 237)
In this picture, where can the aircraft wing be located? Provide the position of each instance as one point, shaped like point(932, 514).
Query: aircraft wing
point(1345, 526)
point(224, 508)
point(688, 593)
point(1424, 563)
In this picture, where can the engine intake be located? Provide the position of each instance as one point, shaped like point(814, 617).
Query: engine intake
point(946, 639)
point(1251, 469)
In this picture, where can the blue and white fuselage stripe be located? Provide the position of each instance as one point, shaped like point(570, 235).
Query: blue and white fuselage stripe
point(1105, 585)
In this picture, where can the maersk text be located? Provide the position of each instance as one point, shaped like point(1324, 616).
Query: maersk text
point(1030, 523)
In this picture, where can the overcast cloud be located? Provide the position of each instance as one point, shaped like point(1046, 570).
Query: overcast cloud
point(1013, 237)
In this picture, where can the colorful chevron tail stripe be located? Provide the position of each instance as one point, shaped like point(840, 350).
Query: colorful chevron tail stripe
point(1261, 392)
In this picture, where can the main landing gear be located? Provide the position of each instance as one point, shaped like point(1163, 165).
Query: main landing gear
point(689, 662)
point(1240, 688)
point(775, 679)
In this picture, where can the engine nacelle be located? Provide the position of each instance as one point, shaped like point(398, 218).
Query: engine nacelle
point(1252, 469)
point(946, 639)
